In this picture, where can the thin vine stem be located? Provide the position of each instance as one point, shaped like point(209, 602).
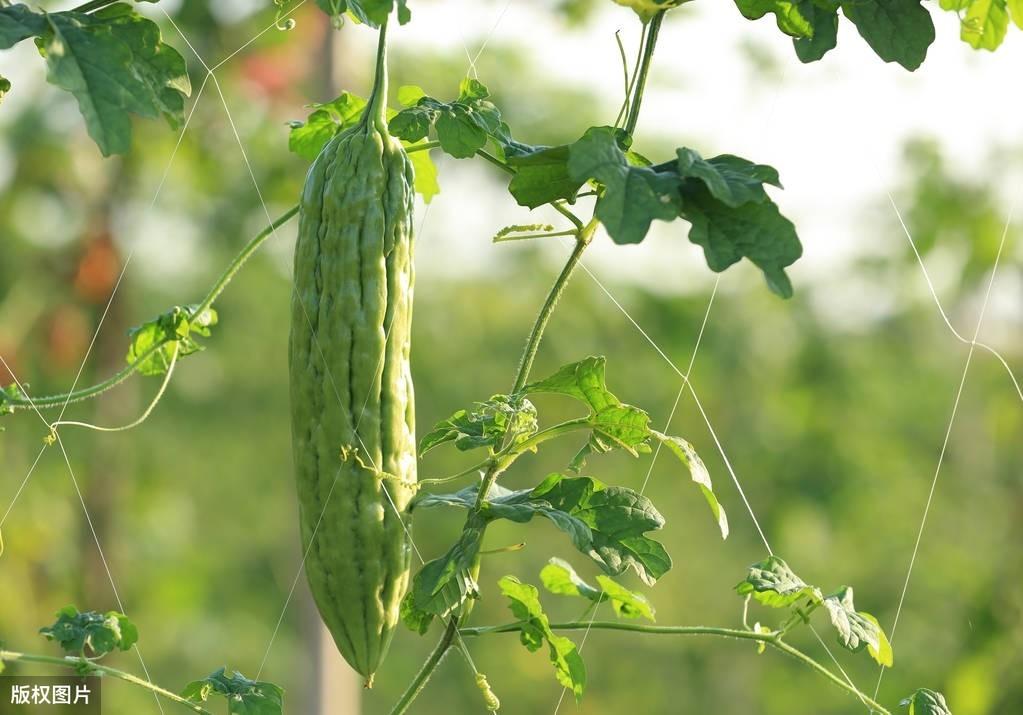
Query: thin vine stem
point(772, 639)
point(89, 666)
point(644, 70)
point(85, 393)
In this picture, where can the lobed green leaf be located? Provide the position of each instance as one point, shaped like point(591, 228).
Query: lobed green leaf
point(524, 602)
point(244, 696)
point(857, 630)
point(115, 64)
point(926, 702)
point(772, 583)
point(91, 633)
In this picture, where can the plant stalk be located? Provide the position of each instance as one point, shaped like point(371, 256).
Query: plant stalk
point(644, 70)
point(77, 663)
point(423, 676)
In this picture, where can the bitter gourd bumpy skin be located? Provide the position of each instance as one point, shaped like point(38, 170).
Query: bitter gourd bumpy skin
point(352, 404)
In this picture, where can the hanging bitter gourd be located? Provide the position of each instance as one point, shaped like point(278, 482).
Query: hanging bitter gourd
point(352, 407)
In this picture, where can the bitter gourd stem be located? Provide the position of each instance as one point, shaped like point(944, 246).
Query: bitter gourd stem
point(423, 676)
point(644, 70)
point(377, 111)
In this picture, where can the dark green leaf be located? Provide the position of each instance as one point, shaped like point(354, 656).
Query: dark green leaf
point(606, 523)
point(443, 584)
point(244, 696)
point(926, 702)
point(756, 231)
point(19, 22)
point(115, 64)
point(790, 14)
point(463, 126)
point(698, 471)
point(616, 518)
point(487, 424)
point(542, 176)
point(897, 30)
point(857, 630)
point(732, 180)
point(773, 583)
point(525, 605)
point(825, 32)
point(91, 633)
point(633, 196)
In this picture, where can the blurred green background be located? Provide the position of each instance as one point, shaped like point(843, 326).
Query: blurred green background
point(832, 407)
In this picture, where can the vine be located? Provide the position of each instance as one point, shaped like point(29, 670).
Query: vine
point(731, 216)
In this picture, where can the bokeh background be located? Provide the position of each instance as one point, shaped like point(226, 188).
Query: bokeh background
point(832, 406)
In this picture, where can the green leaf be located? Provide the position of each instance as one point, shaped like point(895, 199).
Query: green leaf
point(583, 380)
point(626, 603)
point(633, 196)
point(115, 64)
point(309, 137)
point(789, 14)
point(926, 702)
point(415, 619)
point(560, 578)
point(732, 180)
point(772, 583)
point(897, 30)
point(5, 87)
point(19, 22)
point(524, 602)
point(487, 424)
point(443, 584)
point(824, 22)
point(244, 696)
point(857, 630)
point(368, 12)
point(614, 520)
point(7, 394)
point(606, 523)
point(410, 94)
point(756, 231)
point(698, 471)
point(425, 178)
point(985, 24)
point(91, 633)
point(1016, 10)
point(463, 126)
point(175, 327)
point(541, 176)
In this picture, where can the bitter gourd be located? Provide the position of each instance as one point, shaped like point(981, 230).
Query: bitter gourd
point(352, 406)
